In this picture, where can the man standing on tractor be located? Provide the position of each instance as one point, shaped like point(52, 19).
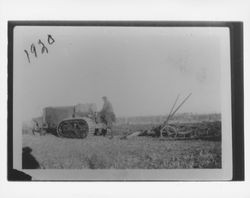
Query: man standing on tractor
point(107, 115)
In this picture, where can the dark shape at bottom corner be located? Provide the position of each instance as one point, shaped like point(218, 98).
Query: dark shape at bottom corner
point(15, 175)
point(28, 160)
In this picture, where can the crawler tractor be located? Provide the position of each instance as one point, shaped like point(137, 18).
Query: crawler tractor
point(77, 121)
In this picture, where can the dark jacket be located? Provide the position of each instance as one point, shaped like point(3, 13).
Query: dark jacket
point(107, 113)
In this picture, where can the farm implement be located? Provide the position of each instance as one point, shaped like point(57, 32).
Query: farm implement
point(185, 131)
point(172, 130)
point(205, 130)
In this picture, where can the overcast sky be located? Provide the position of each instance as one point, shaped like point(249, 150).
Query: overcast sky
point(140, 69)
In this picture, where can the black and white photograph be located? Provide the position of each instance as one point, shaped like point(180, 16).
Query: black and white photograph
point(122, 102)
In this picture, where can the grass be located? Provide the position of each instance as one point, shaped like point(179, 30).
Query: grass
point(137, 153)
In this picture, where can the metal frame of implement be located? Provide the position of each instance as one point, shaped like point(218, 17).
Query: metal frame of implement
point(173, 112)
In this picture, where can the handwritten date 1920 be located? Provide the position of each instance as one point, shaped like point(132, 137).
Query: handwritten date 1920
point(33, 49)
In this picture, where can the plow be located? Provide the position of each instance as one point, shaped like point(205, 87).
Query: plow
point(182, 131)
point(189, 131)
point(171, 130)
point(203, 130)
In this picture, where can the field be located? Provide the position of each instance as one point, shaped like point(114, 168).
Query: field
point(99, 152)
